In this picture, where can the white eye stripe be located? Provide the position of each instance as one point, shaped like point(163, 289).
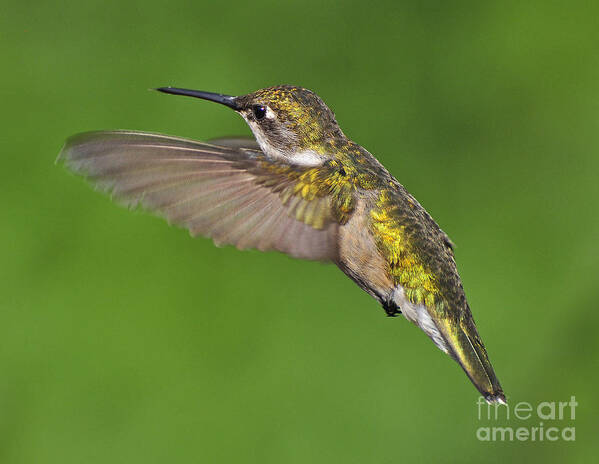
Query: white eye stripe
point(270, 114)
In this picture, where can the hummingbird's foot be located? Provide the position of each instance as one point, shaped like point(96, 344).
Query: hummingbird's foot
point(391, 309)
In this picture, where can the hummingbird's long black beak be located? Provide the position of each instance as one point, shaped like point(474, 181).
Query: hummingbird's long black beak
point(226, 100)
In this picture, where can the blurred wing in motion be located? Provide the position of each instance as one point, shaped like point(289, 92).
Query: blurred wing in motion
point(231, 193)
point(236, 142)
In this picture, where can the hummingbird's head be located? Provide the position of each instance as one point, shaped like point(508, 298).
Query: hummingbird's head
point(288, 122)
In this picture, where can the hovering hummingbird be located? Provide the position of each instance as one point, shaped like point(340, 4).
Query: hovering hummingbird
point(302, 188)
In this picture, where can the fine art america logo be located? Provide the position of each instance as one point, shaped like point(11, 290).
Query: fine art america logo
point(524, 421)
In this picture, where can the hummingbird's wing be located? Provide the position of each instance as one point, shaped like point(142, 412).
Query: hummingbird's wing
point(233, 195)
point(236, 142)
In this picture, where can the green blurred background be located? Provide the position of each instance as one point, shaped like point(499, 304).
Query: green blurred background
point(124, 340)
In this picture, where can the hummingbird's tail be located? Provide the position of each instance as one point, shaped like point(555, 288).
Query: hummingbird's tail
point(466, 347)
point(456, 335)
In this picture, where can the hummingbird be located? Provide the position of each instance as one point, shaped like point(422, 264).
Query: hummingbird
point(303, 188)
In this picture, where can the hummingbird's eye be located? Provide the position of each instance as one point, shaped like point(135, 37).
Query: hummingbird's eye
point(259, 111)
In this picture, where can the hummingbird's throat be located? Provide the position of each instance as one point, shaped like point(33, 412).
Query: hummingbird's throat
point(281, 143)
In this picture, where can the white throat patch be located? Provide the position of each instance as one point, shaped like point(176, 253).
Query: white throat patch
point(307, 158)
